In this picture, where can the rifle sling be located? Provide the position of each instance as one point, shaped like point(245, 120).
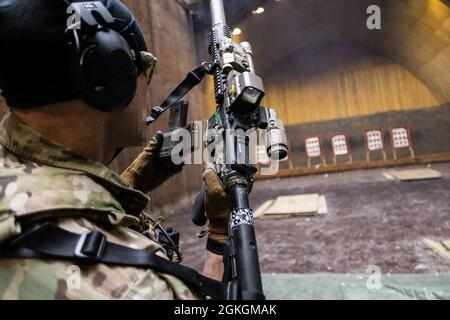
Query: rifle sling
point(52, 242)
point(192, 79)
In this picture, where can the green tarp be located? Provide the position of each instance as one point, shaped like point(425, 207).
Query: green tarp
point(356, 286)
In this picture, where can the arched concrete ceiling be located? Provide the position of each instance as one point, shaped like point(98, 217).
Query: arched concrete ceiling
point(415, 33)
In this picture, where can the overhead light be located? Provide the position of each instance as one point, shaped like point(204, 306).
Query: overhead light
point(237, 31)
point(259, 10)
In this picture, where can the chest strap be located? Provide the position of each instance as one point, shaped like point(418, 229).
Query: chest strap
point(52, 242)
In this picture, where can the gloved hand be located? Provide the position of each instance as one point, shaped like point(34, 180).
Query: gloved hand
point(217, 203)
point(147, 172)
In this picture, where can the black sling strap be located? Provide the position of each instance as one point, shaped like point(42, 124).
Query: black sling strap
point(192, 79)
point(51, 242)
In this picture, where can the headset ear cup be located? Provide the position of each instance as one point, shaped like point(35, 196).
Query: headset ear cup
point(107, 75)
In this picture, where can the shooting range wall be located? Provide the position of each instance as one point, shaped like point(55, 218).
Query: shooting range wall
point(430, 133)
point(413, 34)
point(331, 89)
point(328, 82)
point(169, 31)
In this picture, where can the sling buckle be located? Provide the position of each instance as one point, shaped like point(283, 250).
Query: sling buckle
point(91, 246)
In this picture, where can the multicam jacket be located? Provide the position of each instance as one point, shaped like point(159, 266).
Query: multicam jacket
point(42, 181)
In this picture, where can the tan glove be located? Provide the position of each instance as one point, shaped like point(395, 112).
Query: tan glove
point(217, 203)
point(147, 172)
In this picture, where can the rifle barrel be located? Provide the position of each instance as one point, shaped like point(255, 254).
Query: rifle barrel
point(218, 13)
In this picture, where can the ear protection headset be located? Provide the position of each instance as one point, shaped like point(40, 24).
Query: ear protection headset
point(105, 67)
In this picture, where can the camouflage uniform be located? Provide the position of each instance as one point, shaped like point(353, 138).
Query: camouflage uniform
point(41, 181)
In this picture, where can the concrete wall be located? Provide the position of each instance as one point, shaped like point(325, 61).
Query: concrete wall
point(335, 81)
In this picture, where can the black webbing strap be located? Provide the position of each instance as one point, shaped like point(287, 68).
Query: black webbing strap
point(51, 242)
point(215, 247)
point(193, 78)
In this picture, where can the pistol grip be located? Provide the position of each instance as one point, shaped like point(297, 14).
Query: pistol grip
point(198, 215)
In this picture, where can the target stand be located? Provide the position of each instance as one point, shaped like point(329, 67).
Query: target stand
point(341, 147)
point(314, 150)
point(374, 143)
point(401, 139)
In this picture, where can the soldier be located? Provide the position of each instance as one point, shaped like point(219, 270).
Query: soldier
point(72, 106)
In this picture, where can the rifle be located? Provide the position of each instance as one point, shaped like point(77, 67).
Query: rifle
point(238, 94)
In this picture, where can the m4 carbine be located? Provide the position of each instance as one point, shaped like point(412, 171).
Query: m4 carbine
point(238, 94)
